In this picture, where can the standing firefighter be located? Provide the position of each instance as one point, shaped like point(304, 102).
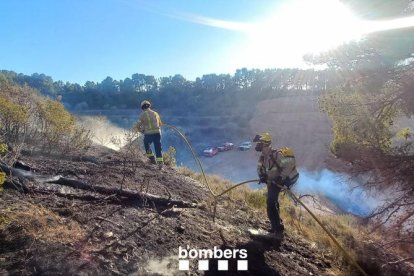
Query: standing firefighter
point(149, 123)
point(275, 167)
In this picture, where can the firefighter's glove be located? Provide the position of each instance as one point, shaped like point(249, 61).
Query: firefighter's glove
point(263, 179)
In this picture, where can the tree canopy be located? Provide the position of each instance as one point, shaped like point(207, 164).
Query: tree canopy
point(128, 93)
point(374, 92)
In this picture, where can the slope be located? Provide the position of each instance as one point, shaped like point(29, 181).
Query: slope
point(59, 230)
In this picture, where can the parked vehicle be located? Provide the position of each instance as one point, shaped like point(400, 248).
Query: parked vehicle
point(226, 146)
point(245, 146)
point(210, 151)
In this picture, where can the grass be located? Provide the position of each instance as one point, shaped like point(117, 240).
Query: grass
point(298, 222)
point(41, 223)
point(253, 198)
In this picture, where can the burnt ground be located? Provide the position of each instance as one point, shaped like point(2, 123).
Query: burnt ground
point(58, 230)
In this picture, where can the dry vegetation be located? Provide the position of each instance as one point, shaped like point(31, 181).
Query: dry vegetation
point(354, 235)
point(298, 222)
point(41, 223)
point(32, 122)
point(97, 238)
point(29, 121)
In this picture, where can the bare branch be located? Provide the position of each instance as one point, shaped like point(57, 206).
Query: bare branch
point(399, 261)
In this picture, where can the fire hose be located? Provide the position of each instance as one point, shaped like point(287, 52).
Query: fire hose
point(335, 241)
point(194, 156)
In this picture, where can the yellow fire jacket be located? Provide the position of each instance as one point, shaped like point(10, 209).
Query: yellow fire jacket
point(149, 122)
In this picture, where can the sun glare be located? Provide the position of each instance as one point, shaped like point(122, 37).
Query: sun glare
point(375, 26)
point(303, 26)
point(300, 27)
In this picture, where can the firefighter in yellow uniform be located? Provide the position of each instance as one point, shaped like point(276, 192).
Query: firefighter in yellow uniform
point(149, 123)
point(275, 167)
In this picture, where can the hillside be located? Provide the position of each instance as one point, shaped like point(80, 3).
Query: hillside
point(52, 229)
point(296, 122)
point(331, 80)
point(62, 230)
point(106, 212)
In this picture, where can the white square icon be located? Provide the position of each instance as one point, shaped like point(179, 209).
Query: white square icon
point(242, 265)
point(203, 265)
point(223, 265)
point(183, 265)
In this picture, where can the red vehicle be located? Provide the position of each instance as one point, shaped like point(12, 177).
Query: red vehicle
point(226, 146)
point(210, 151)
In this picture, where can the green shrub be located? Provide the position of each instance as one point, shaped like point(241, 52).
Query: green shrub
point(59, 129)
point(13, 119)
point(169, 157)
point(3, 149)
point(37, 123)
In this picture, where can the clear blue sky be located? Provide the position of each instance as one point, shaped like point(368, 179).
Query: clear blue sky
point(80, 40)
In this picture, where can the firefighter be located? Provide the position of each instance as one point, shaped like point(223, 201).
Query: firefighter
point(149, 123)
point(276, 167)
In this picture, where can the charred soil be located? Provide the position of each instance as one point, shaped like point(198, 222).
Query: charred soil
point(52, 229)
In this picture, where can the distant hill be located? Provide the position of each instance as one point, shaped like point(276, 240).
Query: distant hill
point(298, 123)
point(293, 121)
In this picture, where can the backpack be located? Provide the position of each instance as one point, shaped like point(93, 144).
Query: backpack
point(286, 153)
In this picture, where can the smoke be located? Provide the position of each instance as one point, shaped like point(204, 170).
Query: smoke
point(104, 133)
point(163, 266)
point(337, 188)
point(23, 173)
point(331, 185)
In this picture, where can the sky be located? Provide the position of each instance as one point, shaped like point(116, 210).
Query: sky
point(81, 40)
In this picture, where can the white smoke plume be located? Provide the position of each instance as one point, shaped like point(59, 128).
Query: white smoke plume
point(163, 266)
point(337, 188)
point(104, 133)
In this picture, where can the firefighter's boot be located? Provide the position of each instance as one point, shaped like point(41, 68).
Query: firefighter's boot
point(152, 159)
